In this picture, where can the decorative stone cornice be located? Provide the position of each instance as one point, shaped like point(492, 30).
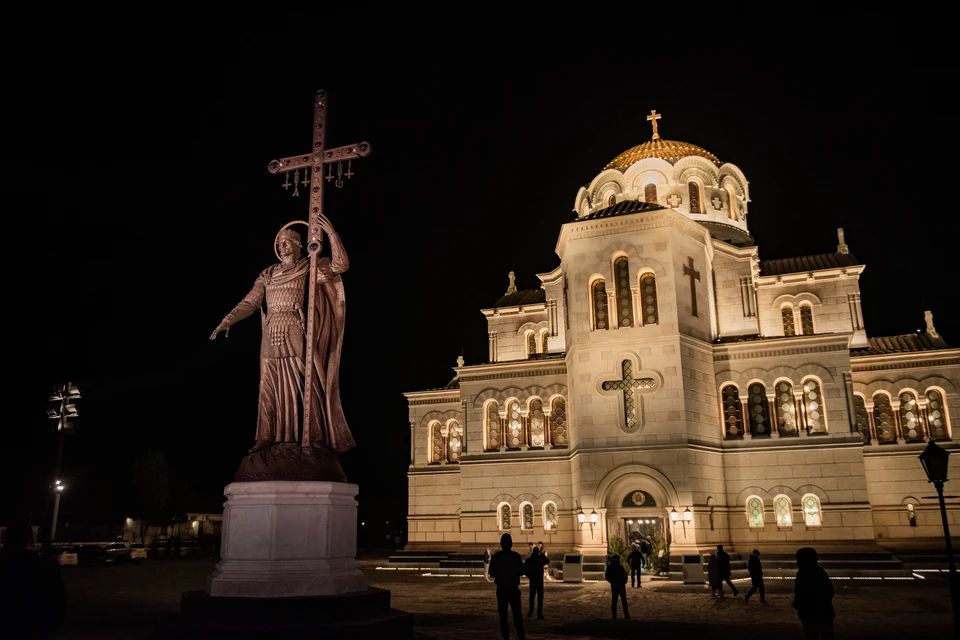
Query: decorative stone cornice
point(781, 347)
point(641, 221)
point(909, 360)
point(818, 275)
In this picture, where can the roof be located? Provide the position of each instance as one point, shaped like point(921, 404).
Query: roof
point(906, 343)
point(517, 298)
point(803, 264)
point(670, 150)
point(454, 384)
point(622, 209)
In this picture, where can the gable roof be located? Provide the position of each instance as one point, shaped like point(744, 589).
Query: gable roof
point(517, 298)
point(802, 264)
point(906, 343)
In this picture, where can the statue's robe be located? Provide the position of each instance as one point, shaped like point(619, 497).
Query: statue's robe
point(280, 294)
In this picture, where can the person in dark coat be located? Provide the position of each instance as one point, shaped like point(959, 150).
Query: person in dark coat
point(617, 577)
point(533, 567)
point(713, 575)
point(723, 560)
point(635, 560)
point(33, 601)
point(813, 596)
point(506, 567)
point(756, 577)
point(646, 548)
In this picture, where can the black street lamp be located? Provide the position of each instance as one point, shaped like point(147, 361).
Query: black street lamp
point(935, 464)
point(63, 409)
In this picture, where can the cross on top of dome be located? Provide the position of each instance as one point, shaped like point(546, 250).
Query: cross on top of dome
point(652, 118)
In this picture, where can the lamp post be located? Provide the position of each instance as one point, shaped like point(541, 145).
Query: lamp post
point(935, 464)
point(63, 409)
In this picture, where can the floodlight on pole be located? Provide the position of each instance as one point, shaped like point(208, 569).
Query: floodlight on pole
point(63, 409)
point(936, 464)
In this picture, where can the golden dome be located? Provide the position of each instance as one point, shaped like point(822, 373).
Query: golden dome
point(670, 150)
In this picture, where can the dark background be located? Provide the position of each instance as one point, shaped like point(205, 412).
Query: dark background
point(139, 211)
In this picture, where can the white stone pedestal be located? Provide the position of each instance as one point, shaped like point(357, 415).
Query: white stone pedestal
point(283, 539)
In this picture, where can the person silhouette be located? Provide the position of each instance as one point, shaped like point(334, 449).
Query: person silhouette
point(33, 601)
point(813, 596)
point(533, 567)
point(756, 577)
point(616, 575)
point(635, 560)
point(713, 575)
point(506, 567)
point(723, 563)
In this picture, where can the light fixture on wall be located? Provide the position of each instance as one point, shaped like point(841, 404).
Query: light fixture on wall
point(582, 518)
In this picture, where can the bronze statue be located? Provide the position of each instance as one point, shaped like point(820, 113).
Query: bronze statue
point(286, 448)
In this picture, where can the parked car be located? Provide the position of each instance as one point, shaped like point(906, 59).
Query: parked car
point(68, 557)
point(116, 553)
point(138, 552)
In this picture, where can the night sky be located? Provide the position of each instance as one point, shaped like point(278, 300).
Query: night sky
point(139, 211)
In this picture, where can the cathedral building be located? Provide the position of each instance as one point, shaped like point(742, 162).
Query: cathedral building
point(666, 379)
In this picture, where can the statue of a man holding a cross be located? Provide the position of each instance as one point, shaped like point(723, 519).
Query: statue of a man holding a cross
point(288, 447)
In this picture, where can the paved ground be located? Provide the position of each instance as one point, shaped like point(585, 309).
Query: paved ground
point(129, 601)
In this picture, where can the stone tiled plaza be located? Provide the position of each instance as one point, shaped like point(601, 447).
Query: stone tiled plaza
point(113, 603)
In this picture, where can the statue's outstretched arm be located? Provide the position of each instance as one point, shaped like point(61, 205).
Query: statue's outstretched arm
point(250, 303)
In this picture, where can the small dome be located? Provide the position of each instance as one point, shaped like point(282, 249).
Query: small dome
point(670, 150)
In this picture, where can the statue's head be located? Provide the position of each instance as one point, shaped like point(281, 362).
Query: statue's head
point(291, 239)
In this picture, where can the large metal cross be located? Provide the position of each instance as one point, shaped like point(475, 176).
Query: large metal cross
point(652, 119)
point(688, 270)
point(628, 386)
point(315, 161)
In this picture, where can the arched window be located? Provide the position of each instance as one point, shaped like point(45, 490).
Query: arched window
point(454, 441)
point(504, 517)
point(910, 417)
point(936, 415)
point(648, 299)
point(732, 412)
point(694, 190)
point(811, 510)
point(514, 425)
point(806, 319)
point(883, 419)
point(650, 193)
point(537, 435)
point(600, 319)
point(558, 422)
point(531, 343)
point(860, 416)
point(492, 425)
point(783, 508)
point(621, 275)
point(815, 408)
point(731, 204)
point(759, 410)
point(543, 340)
point(436, 439)
point(526, 517)
point(789, 329)
point(549, 516)
point(786, 409)
point(755, 512)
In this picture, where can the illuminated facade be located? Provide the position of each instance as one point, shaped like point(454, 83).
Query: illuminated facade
point(668, 380)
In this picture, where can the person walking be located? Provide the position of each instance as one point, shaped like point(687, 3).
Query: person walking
point(713, 575)
point(756, 577)
point(546, 566)
point(486, 564)
point(646, 548)
point(635, 560)
point(813, 596)
point(506, 567)
point(533, 567)
point(617, 577)
point(723, 561)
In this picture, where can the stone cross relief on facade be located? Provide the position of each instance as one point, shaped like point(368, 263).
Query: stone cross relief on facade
point(631, 402)
point(688, 270)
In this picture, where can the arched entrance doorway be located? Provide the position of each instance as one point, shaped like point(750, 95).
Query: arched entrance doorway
point(636, 499)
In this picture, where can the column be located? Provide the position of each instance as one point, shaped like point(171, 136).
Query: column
point(898, 427)
point(871, 425)
point(745, 414)
point(772, 408)
point(851, 407)
point(613, 313)
point(801, 411)
point(412, 442)
point(492, 339)
point(463, 433)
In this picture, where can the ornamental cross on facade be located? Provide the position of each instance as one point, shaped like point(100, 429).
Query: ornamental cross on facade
point(688, 270)
point(626, 387)
point(652, 118)
point(313, 163)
